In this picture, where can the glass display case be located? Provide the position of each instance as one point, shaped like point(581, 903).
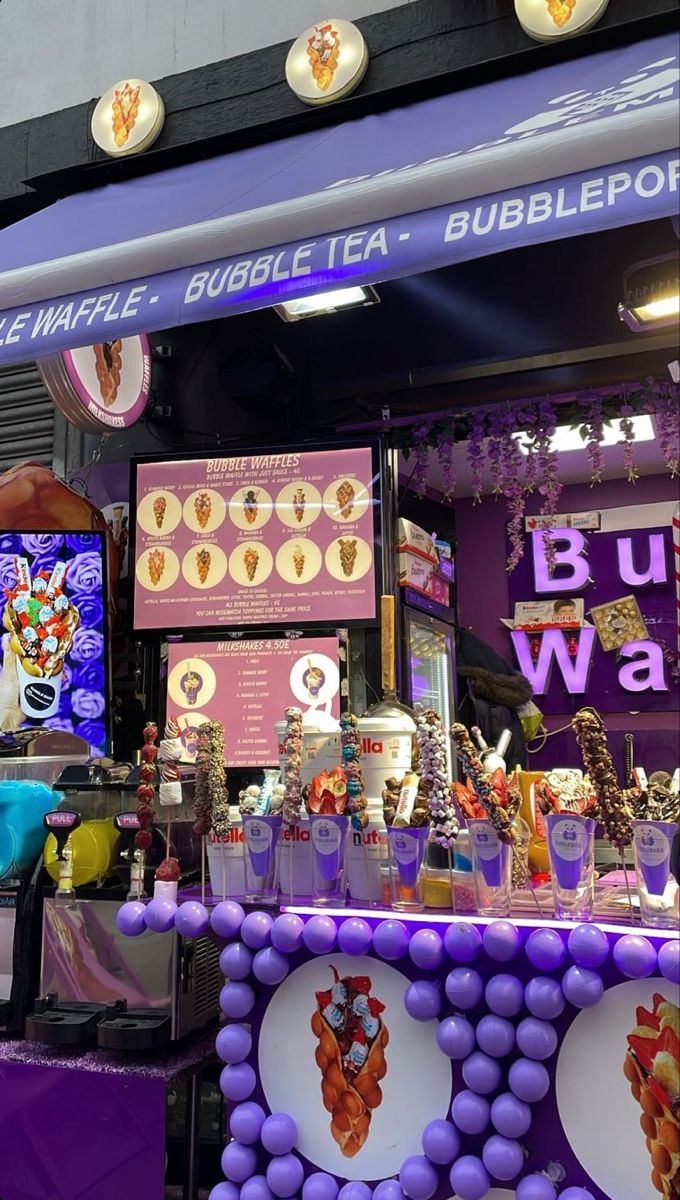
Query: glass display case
point(430, 666)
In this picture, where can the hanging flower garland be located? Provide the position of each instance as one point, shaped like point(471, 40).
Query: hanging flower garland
point(593, 427)
point(445, 452)
point(475, 453)
point(663, 404)
point(550, 488)
point(626, 414)
point(421, 450)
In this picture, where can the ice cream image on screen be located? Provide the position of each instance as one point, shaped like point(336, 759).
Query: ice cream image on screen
point(345, 496)
point(652, 1067)
point(250, 506)
point(348, 555)
point(191, 684)
point(203, 508)
point(159, 506)
point(250, 560)
point(42, 622)
point(156, 565)
point(352, 1037)
point(313, 679)
point(299, 502)
point(203, 560)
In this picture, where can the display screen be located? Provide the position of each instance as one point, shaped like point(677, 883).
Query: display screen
point(248, 685)
point(53, 659)
point(258, 539)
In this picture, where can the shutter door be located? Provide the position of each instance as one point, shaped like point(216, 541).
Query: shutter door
point(26, 417)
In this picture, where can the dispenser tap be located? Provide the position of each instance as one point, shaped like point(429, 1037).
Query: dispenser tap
point(61, 824)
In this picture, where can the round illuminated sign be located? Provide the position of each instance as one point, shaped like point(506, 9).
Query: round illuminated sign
point(327, 62)
point(103, 387)
point(549, 20)
point(128, 118)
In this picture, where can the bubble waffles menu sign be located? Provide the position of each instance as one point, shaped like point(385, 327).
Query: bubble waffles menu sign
point(256, 539)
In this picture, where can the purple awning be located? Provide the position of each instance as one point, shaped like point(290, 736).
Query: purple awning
point(573, 148)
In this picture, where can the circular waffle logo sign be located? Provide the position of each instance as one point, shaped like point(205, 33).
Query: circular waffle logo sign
point(326, 62)
point(128, 118)
point(550, 20)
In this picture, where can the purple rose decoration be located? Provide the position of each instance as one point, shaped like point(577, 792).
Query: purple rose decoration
point(42, 543)
point(59, 723)
point(90, 606)
point(8, 574)
point(93, 732)
point(90, 677)
point(87, 645)
point(65, 705)
point(89, 705)
point(84, 573)
point(83, 541)
point(10, 543)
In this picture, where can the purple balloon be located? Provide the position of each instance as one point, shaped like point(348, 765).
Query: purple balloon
point(237, 1000)
point(320, 1187)
point(226, 918)
point(160, 914)
point(286, 933)
point(236, 961)
point(469, 1178)
point(234, 1043)
point(463, 942)
point(225, 1191)
point(509, 1116)
point(320, 934)
point(130, 918)
point(496, 1036)
point(502, 1157)
point(536, 1039)
point(669, 961)
point(285, 1175)
point(390, 940)
point(355, 937)
point(470, 1112)
point(635, 956)
point(464, 987)
point(456, 1037)
point(256, 930)
point(246, 1121)
point(256, 1188)
point(418, 1178)
point(504, 995)
point(502, 941)
point(441, 1142)
point(576, 1193)
point(270, 966)
point(588, 945)
point(239, 1162)
point(279, 1133)
point(387, 1190)
point(355, 1191)
point(581, 987)
point(535, 1187)
point(237, 1082)
point(481, 1073)
point(544, 997)
point(426, 949)
point(422, 1000)
point(529, 1080)
point(192, 919)
point(545, 949)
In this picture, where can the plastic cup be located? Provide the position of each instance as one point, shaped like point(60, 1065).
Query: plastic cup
point(657, 889)
point(408, 852)
point(492, 860)
point(571, 842)
point(329, 847)
point(260, 841)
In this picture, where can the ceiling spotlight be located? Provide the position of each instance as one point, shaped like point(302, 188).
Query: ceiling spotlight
point(651, 294)
point(327, 302)
point(568, 437)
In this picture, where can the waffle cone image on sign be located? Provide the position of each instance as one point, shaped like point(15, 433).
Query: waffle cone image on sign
point(352, 1039)
point(108, 363)
point(345, 496)
point(348, 555)
point(203, 560)
point(299, 502)
point(156, 565)
point(203, 508)
point(250, 560)
point(298, 561)
point(124, 111)
point(159, 507)
point(652, 1067)
point(323, 51)
point(561, 11)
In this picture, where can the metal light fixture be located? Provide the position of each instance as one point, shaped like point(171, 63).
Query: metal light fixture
point(322, 303)
point(568, 437)
point(651, 294)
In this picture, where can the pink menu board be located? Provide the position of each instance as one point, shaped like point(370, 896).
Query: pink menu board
point(258, 539)
point(247, 685)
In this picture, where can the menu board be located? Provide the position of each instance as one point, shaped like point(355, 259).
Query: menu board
point(247, 685)
point(259, 539)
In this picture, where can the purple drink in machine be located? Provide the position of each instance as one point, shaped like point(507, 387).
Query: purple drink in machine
point(570, 840)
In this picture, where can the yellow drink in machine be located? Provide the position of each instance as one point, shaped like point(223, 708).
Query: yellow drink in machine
point(92, 847)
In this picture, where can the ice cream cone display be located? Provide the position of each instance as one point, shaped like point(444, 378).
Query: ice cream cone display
point(160, 504)
point(202, 508)
point(41, 621)
point(251, 559)
point(353, 1037)
point(250, 505)
point(652, 1067)
point(299, 502)
point(347, 548)
point(298, 561)
point(108, 360)
point(561, 11)
point(323, 52)
point(203, 560)
point(156, 565)
point(345, 496)
point(124, 111)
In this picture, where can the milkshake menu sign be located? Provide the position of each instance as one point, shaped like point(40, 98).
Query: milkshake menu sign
point(257, 539)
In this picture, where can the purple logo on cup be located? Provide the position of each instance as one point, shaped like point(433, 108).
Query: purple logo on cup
point(570, 839)
point(261, 837)
point(408, 849)
point(491, 853)
point(653, 841)
point(329, 834)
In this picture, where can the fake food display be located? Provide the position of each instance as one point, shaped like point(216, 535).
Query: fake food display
point(652, 1067)
point(40, 619)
